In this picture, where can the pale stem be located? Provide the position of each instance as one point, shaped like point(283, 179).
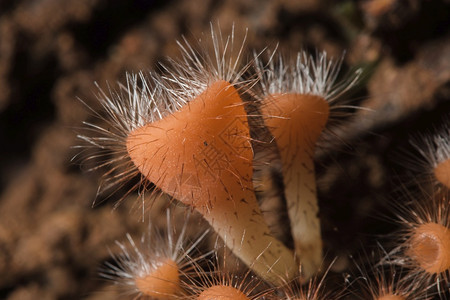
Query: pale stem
point(242, 227)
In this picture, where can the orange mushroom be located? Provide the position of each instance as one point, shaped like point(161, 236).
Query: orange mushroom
point(424, 243)
point(391, 297)
point(434, 156)
point(162, 283)
point(386, 281)
point(296, 121)
point(220, 282)
point(222, 292)
point(429, 246)
point(202, 156)
point(442, 172)
point(155, 266)
point(296, 107)
point(187, 133)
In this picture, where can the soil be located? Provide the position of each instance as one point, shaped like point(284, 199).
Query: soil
point(53, 240)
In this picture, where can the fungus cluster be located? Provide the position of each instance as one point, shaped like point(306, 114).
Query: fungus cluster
point(187, 134)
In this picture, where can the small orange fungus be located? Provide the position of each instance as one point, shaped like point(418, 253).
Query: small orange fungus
point(442, 173)
point(222, 292)
point(161, 283)
point(391, 297)
point(430, 247)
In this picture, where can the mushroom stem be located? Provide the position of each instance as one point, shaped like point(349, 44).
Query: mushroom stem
point(242, 227)
point(202, 156)
point(296, 121)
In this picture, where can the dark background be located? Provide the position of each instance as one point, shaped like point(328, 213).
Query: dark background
point(52, 241)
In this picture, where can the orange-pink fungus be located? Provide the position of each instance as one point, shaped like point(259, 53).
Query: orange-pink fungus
point(390, 297)
point(296, 121)
point(161, 283)
point(202, 156)
point(430, 247)
point(442, 173)
point(201, 153)
point(222, 292)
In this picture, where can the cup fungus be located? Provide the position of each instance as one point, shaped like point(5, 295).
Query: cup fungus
point(434, 150)
point(430, 247)
point(201, 155)
point(442, 161)
point(442, 173)
point(386, 281)
point(424, 243)
point(296, 128)
point(391, 297)
point(222, 292)
point(296, 107)
point(154, 267)
point(162, 283)
point(218, 282)
point(187, 133)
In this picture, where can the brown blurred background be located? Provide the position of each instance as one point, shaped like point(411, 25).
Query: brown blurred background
point(52, 241)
